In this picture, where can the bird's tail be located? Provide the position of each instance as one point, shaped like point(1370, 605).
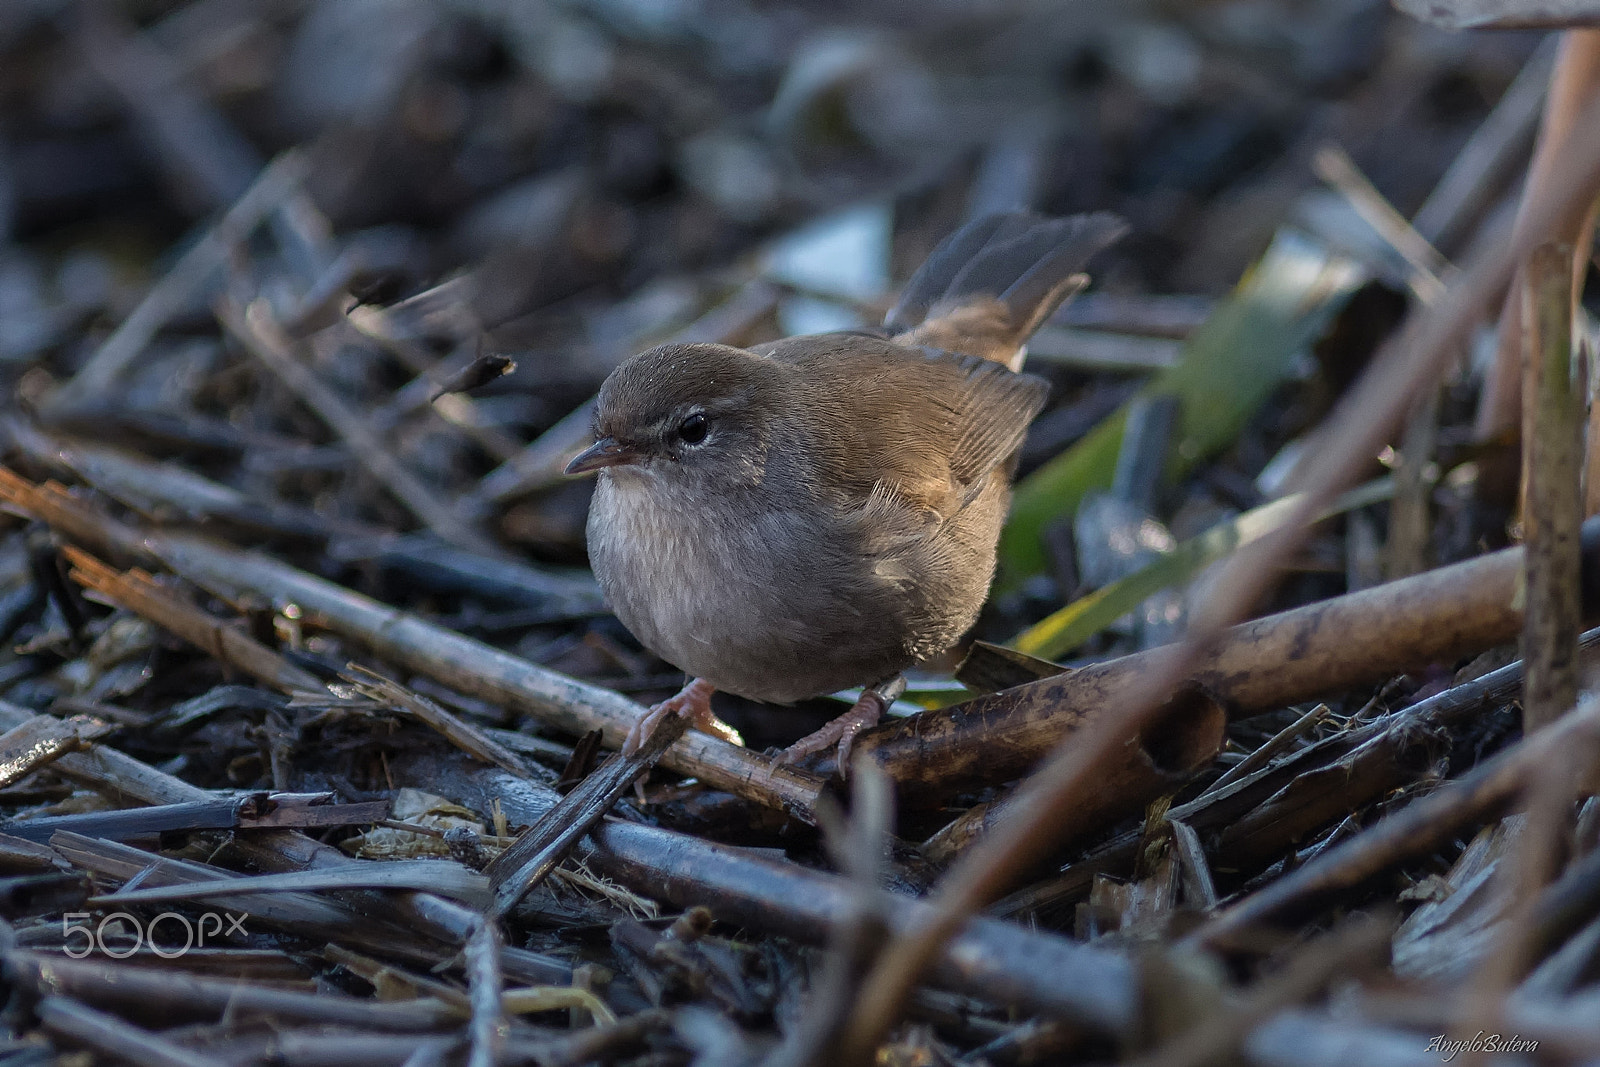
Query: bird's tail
point(990, 284)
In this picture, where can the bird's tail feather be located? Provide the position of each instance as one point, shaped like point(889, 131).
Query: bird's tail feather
point(989, 285)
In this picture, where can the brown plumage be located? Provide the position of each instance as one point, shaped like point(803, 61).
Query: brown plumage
point(822, 512)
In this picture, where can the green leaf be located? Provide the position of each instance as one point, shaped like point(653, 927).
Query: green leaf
point(1063, 631)
point(1231, 364)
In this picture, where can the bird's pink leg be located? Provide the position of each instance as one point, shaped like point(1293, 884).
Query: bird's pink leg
point(866, 711)
point(693, 702)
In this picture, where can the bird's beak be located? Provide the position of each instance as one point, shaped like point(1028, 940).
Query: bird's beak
point(606, 452)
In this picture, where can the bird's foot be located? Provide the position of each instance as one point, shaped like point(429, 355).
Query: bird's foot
point(693, 702)
point(842, 731)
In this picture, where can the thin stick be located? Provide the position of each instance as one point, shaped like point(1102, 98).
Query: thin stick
point(1274, 745)
point(277, 183)
point(1548, 794)
point(1568, 115)
point(1410, 513)
point(166, 989)
point(1334, 166)
point(1361, 943)
point(1552, 461)
point(1553, 510)
point(265, 340)
point(464, 736)
point(484, 985)
point(538, 464)
point(1198, 888)
point(1499, 143)
point(113, 1037)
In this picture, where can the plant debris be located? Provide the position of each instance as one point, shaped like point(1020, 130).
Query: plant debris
point(1276, 743)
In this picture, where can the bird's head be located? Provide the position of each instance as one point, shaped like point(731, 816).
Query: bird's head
point(695, 412)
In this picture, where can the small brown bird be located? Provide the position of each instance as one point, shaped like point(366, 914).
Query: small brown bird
point(822, 512)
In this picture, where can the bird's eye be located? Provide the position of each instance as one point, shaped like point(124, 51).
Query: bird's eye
point(693, 429)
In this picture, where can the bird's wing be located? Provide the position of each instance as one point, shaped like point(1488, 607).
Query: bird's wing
point(923, 425)
point(989, 285)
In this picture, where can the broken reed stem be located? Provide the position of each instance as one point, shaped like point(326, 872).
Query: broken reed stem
point(44, 739)
point(1416, 358)
point(1499, 144)
point(1591, 462)
point(139, 593)
point(537, 465)
point(1266, 663)
point(466, 737)
point(1411, 513)
point(71, 517)
point(485, 1030)
point(858, 849)
point(1553, 511)
point(170, 994)
point(112, 1036)
point(1278, 742)
point(110, 771)
point(520, 869)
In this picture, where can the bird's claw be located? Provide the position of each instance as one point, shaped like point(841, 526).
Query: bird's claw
point(841, 731)
point(693, 702)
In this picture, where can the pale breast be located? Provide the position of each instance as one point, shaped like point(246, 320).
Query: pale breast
point(772, 606)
